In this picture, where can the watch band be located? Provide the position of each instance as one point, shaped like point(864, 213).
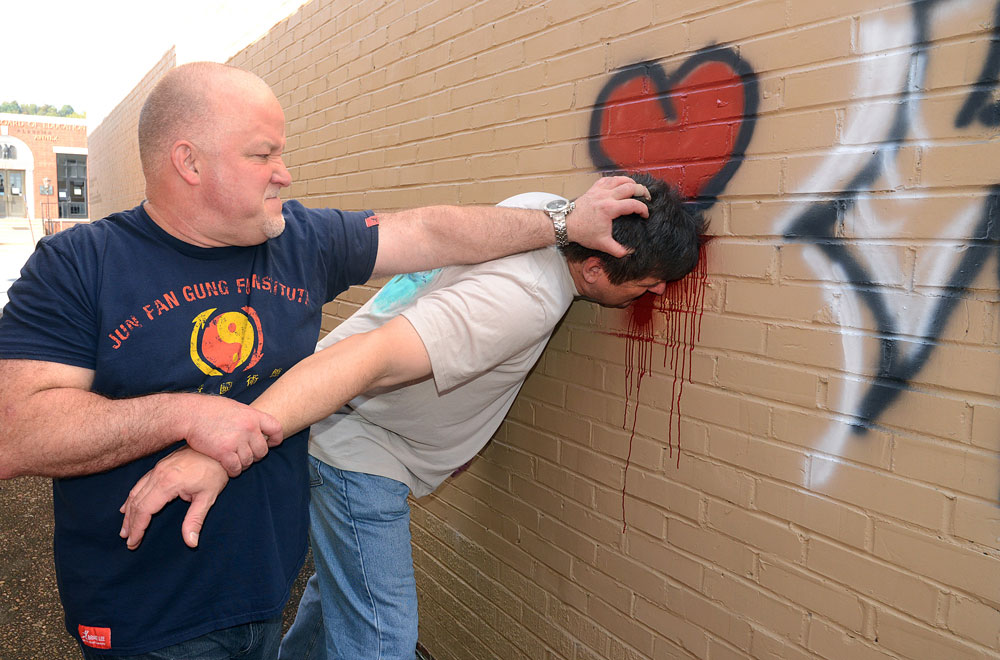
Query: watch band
point(559, 224)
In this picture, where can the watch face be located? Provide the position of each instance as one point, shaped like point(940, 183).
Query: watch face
point(557, 205)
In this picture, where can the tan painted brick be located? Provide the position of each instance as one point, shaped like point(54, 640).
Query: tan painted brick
point(633, 575)
point(668, 40)
point(757, 218)
point(756, 177)
point(953, 564)
point(938, 414)
point(591, 464)
point(573, 368)
point(729, 409)
point(801, 131)
point(757, 531)
point(780, 383)
point(712, 546)
point(733, 334)
point(930, 277)
point(839, 82)
point(813, 512)
point(723, 651)
point(878, 491)
point(622, 626)
point(566, 482)
point(685, 634)
point(733, 24)
point(985, 422)
point(747, 260)
point(515, 26)
point(975, 621)
point(637, 516)
point(792, 302)
point(758, 456)
point(554, 98)
point(816, 346)
point(805, 46)
point(893, 264)
point(952, 465)
point(919, 642)
point(641, 452)
point(712, 616)
point(659, 557)
point(582, 626)
point(664, 492)
point(556, 638)
point(831, 642)
point(954, 64)
point(962, 164)
point(575, 65)
point(722, 481)
point(529, 440)
point(752, 602)
point(827, 599)
point(767, 646)
point(978, 521)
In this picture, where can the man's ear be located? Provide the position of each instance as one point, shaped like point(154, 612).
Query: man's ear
point(592, 269)
point(183, 157)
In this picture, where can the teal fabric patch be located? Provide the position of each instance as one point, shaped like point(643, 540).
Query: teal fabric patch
point(400, 291)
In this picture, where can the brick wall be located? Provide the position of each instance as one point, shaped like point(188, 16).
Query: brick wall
point(114, 171)
point(836, 489)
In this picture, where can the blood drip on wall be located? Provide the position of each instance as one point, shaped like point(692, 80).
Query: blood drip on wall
point(681, 306)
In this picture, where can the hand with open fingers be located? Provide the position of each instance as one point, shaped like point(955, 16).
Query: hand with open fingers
point(232, 433)
point(186, 474)
point(590, 222)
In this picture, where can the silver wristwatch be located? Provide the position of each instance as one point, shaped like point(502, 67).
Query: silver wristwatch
point(558, 209)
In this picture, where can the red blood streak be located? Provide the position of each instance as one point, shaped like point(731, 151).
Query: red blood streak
point(682, 306)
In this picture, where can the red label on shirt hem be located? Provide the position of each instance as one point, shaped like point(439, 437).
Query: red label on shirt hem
point(95, 638)
point(371, 221)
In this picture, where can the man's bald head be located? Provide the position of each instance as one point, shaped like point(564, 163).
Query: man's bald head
point(185, 104)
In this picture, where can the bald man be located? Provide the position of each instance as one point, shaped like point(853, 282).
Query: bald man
point(154, 327)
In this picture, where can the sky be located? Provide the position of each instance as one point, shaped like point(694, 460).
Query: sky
point(91, 54)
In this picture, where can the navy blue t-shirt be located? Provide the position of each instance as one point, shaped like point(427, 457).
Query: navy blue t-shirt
point(149, 313)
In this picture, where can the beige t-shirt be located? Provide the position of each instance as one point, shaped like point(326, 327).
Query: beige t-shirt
point(484, 327)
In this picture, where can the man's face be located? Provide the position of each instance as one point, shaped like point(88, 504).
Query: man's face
point(244, 172)
point(622, 295)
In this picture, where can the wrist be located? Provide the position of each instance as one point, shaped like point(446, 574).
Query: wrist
point(558, 210)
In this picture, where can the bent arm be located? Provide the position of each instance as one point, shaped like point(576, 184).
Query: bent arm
point(313, 389)
point(52, 425)
point(322, 383)
point(434, 236)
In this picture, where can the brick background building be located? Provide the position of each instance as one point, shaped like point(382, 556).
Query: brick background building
point(33, 148)
point(836, 490)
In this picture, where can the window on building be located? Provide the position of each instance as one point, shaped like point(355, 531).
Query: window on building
point(71, 170)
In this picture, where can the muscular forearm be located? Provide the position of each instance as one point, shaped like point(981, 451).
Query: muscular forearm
point(65, 432)
point(51, 424)
point(424, 238)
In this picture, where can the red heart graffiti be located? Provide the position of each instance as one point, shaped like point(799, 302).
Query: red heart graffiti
point(690, 128)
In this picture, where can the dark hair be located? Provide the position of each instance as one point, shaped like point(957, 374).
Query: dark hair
point(664, 246)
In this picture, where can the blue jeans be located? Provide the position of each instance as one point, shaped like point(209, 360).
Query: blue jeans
point(362, 602)
point(251, 641)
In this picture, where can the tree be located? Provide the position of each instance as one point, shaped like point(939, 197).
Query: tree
point(13, 107)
